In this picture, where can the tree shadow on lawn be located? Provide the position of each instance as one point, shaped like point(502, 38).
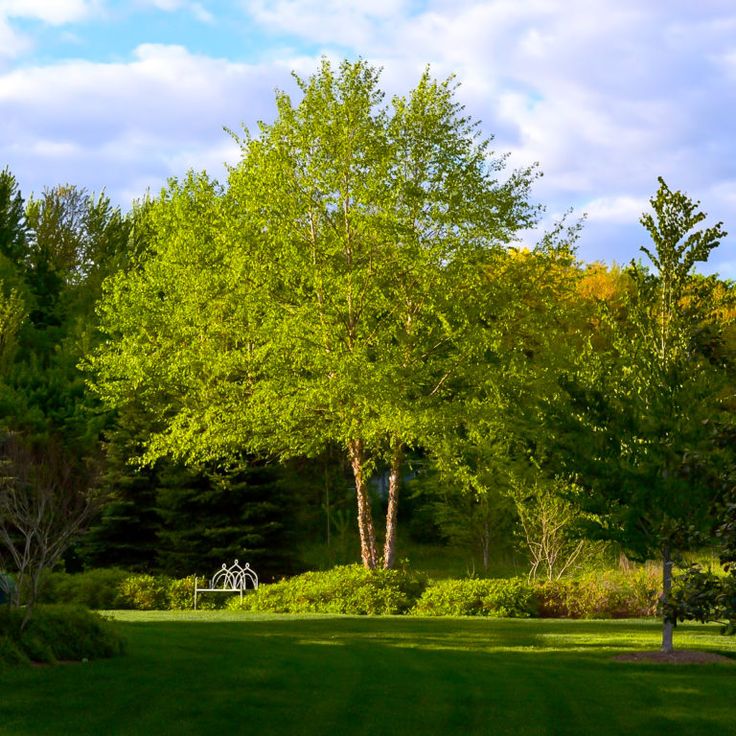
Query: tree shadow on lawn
point(316, 675)
point(472, 634)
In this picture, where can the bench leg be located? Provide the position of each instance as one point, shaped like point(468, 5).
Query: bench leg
point(195, 594)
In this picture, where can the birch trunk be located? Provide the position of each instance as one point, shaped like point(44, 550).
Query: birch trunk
point(394, 481)
point(365, 517)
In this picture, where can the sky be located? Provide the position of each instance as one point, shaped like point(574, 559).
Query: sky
point(605, 95)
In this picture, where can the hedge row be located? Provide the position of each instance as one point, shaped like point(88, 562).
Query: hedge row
point(112, 588)
point(356, 591)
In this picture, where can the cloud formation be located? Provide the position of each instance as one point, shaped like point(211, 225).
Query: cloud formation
point(55, 12)
point(605, 94)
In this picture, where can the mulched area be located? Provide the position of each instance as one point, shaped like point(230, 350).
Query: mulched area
point(679, 656)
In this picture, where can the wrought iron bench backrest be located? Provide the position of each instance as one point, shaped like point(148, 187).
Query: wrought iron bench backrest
point(235, 577)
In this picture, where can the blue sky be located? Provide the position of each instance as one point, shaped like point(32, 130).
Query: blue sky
point(605, 94)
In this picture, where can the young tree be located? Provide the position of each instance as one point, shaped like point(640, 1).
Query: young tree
point(645, 400)
point(546, 520)
point(45, 501)
point(342, 267)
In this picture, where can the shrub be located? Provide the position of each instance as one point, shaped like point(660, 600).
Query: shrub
point(607, 594)
point(513, 597)
point(181, 593)
point(56, 632)
point(145, 592)
point(704, 595)
point(348, 589)
point(97, 589)
point(11, 653)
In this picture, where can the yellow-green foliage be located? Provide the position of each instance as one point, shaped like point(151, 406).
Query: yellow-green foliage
point(513, 597)
point(606, 594)
point(350, 590)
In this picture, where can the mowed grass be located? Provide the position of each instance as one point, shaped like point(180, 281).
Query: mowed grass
point(231, 673)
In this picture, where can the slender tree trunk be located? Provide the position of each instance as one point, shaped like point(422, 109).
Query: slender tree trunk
point(365, 518)
point(668, 624)
point(328, 509)
point(394, 481)
point(486, 546)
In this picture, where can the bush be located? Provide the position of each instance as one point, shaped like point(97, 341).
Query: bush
point(181, 593)
point(513, 597)
point(96, 589)
point(145, 592)
point(348, 589)
point(354, 590)
point(55, 633)
point(607, 594)
point(11, 653)
point(704, 595)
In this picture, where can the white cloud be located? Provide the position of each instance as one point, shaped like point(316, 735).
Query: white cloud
point(54, 12)
point(112, 125)
point(342, 23)
point(620, 210)
point(196, 9)
point(12, 43)
point(166, 5)
point(605, 94)
point(201, 13)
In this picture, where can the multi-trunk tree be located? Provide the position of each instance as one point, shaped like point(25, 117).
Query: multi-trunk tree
point(330, 295)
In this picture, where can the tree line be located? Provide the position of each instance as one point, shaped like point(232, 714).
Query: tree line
point(358, 288)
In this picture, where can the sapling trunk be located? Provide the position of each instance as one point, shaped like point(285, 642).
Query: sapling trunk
point(394, 481)
point(668, 624)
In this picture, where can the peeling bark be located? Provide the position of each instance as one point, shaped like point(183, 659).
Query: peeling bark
point(394, 482)
point(365, 518)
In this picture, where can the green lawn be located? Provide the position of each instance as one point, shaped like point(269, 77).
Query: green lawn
point(229, 673)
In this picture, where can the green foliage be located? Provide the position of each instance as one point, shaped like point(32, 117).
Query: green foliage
point(327, 297)
point(601, 594)
point(653, 400)
point(513, 598)
point(56, 633)
point(181, 594)
point(145, 592)
point(97, 589)
point(13, 228)
point(209, 516)
point(547, 514)
point(11, 653)
point(350, 589)
point(112, 588)
point(703, 595)
point(479, 523)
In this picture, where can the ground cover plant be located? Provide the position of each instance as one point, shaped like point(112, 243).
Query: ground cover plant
point(226, 672)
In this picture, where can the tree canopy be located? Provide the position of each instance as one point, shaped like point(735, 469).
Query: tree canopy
point(329, 294)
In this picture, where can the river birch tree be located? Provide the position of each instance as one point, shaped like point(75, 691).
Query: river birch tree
point(343, 265)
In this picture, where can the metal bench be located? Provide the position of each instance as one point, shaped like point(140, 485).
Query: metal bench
point(233, 579)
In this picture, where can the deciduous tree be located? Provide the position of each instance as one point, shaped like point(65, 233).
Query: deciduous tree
point(645, 401)
point(326, 297)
